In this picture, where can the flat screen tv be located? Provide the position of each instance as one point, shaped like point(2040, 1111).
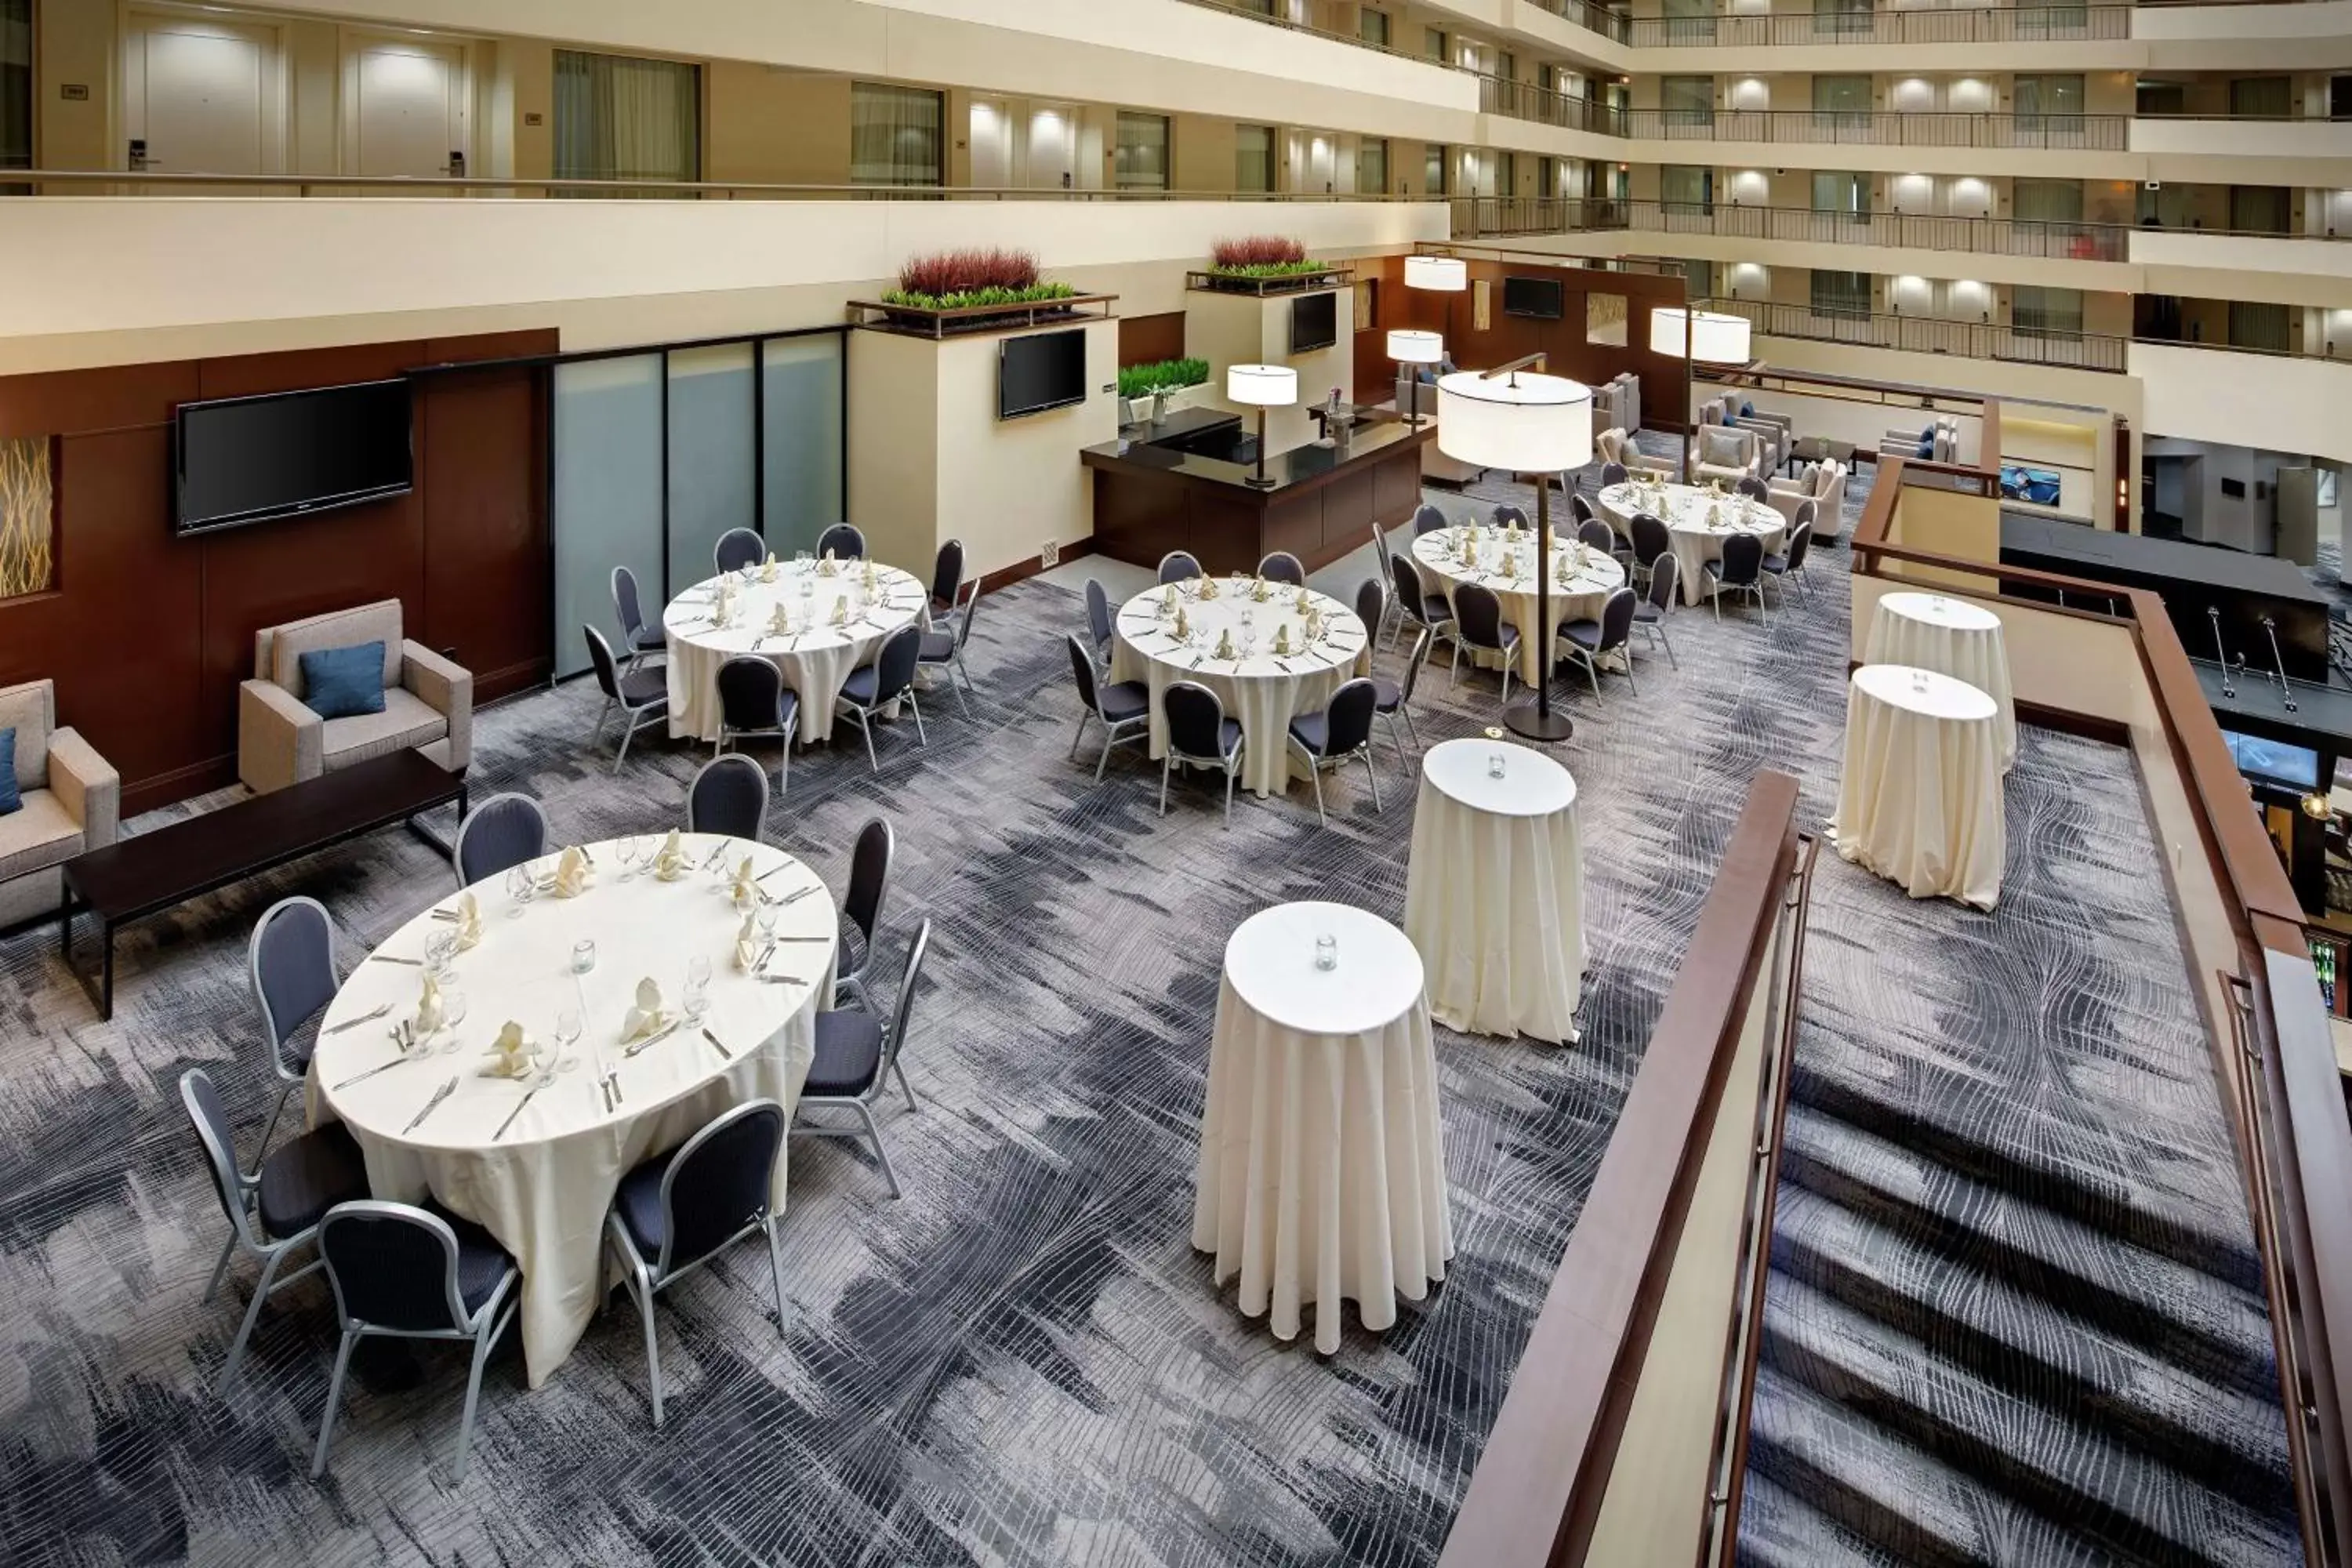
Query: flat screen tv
point(1039, 371)
point(2273, 762)
point(1537, 297)
point(246, 460)
point(1314, 323)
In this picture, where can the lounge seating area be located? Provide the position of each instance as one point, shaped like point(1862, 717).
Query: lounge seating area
point(408, 698)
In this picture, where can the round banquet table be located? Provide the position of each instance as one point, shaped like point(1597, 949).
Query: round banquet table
point(1954, 637)
point(543, 1187)
point(1920, 800)
point(1263, 689)
point(1322, 1175)
point(1685, 510)
point(1495, 892)
point(1506, 569)
point(815, 656)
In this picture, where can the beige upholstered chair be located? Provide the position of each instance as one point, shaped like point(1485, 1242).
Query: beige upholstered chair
point(1720, 452)
point(72, 802)
point(1824, 484)
point(428, 702)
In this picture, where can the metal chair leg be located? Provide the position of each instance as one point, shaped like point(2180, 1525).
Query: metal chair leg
point(1232, 769)
point(866, 728)
point(252, 1316)
point(602, 714)
point(1104, 761)
point(1669, 645)
point(228, 1250)
point(1632, 685)
point(874, 1132)
point(1592, 672)
point(1166, 763)
point(1410, 728)
point(628, 733)
point(1079, 736)
point(484, 1337)
point(1315, 771)
point(653, 1349)
point(1373, 774)
point(334, 1398)
point(277, 1110)
point(1454, 668)
point(776, 1270)
point(906, 1088)
point(916, 709)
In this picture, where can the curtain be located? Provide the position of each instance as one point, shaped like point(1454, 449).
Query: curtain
point(2270, 96)
point(1841, 293)
point(2259, 209)
point(1372, 165)
point(1842, 15)
point(2256, 325)
point(2046, 313)
point(1842, 192)
point(15, 84)
point(1846, 99)
point(1140, 162)
point(1687, 189)
point(895, 135)
point(2047, 201)
point(1373, 26)
point(1432, 169)
point(1687, 99)
point(620, 118)
point(1253, 157)
point(2037, 96)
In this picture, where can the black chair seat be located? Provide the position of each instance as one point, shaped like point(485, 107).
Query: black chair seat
point(481, 1261)
point(848, 1052)
point(309, 1175)
point(1388, 696)
point(860, 685)
point(649, 639)
point(1776, 564)
point(1126, 699)
point(1311, 731)
point(1585, 635)
point(639, 686)
point(1645, 614)
point(1509, 638)
point(937, 648)
point(1435, 610)
point(638, 1203)
point(1229, 735)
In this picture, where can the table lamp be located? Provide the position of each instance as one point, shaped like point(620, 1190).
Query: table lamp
point(1447, 275)
point(1522, 422)
point(1410, 348)
point(1704, 337)
point(1261, 386)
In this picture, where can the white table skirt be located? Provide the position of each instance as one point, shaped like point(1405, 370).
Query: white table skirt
point(1920, 799)
point(544, 1188)
point(1322, 1171)
point(1954, 637)
point(1591, 577)
point(1684, 511)
point(814, 658)
point(1258, 690)
point(1495, 892)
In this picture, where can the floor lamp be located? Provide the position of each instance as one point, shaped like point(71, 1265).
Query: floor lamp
point(1411, 350)
point(1695, 337)
point(1522, 422)
point(1447, 275)
point(1261, 386)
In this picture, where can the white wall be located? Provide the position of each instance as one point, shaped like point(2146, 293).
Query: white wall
point(2271, 401)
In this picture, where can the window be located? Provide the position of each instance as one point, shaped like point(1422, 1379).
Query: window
point(1432, 43)
point(1698, 280)
point(1372, 164)
point(2047, 201)
point(1842, 192)
point(1686, 189)
point(1140, 162)
point(1502, 175)
point(621, 118)
point(1433, 170)
point(1373, 26)
point(2257, 326)
point(1841, 101)
point(1841, 293)
point(1690, 21)
point(2263, 96)
point(2049, 105)
point(1842, 15)
point(2260, 210)
point(1687, 101)
point(2045, 313)
point(894, 135)
point(1507, 66)
point(16, 85)
point(1253, 157)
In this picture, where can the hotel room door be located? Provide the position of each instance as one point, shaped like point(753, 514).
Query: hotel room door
point(405, 105)
point(201, 96)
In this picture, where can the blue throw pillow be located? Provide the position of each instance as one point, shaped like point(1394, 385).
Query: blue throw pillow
point(1927, 436)
point(9, 799)
point(1927, 447)
point(343, 681)
point(1747, 411)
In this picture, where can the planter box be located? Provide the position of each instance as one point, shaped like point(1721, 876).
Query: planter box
point(1288, 283)
point(1138, 409)
point(914, 321)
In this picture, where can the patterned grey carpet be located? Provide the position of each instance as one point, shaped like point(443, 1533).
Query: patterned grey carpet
point(1024, 1361)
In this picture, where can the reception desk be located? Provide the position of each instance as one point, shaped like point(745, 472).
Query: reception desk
point(1184, 485)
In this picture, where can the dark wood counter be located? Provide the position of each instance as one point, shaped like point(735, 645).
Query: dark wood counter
point(1183, 485)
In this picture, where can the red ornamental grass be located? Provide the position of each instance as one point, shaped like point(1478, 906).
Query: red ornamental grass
point(1257, 250)
point(962, 271)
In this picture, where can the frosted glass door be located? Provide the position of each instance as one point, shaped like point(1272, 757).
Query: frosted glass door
point(710, 456)
point(607, 496)
point(800, 432)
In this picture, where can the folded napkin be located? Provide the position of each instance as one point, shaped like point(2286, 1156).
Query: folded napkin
point(1261, 590)
point(768, 568)
point(1225, 643)
point(1304, 604)
point(469, 921)
point(779, 623)
point(1314, 623)
point(1282, 638)
point(428, 1006)
point(1207, 587)
point(510, 1054)
point(571, 873)
point(841, 612)
point(869, 577)
point(646, 1018)
point(746, 946)
point(669, 860)
point(746, 890)
point(1183, 628)
point(828, 566)
point(1168, 599)
point(722, 609)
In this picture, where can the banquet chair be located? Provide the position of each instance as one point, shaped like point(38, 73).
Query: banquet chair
point(1282, 567)
point(501, 833)
point(1741, 570)
point(1579, 510)
point(1427, 519)
point(414, 1274)
point(1098, 621)
point(738, 548)
point(1596, 534)
point(1123, 706)
point(1652, 538)
point(947, 577)
point(639, 638)
point(641, 695)
point(678, 1211)
point(277, 1207)
point(1508, 514)
point(730, 796)
point(1178, 566)
point(1199, 733)
point(753, 700)
point(1587, 641)
point(1478, 623)
point(888, 678)
point(1341, 731)
point(290, 962)
point(870, 858)
point(1373, 629)
point(1788, 566)
point(1392, 698)
point(1753, 488)
point(1612, 474)
point(856, 1056)
point(1415, 605)
point(843, 540)
point(942, 649)
point(1372, 604)
point(1651, 614)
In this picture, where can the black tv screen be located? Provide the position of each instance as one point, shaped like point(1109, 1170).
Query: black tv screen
point(244, 459)
point(2273, 762)
point(1537, 297)
point(1314, 323)
point(1040, 370)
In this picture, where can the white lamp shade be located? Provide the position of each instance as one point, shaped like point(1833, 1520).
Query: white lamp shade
point(1450, 274)
point(1521, 423)
point(1716, 338)
point(1261, 385)
point(1409, 347)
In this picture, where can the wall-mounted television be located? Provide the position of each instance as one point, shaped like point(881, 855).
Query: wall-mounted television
point(1537, 297)
point(1314, 323)
point(1038, 371)
point(2273, 762)
point(236, 461)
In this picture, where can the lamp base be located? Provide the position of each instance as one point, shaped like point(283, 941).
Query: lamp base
point(1257, 482)
point(1529, 721)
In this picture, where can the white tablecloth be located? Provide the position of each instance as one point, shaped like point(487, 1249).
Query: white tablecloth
point(1920, 801)
point(544, 1187)
point(1955, 638)
point(815, 656)
point(1322, 1174)
point(1264, 690)
point(1577, 597)
point(1495, 892)
point(1697, 520)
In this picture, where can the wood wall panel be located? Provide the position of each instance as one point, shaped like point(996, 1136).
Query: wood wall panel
point(1148, 340)
point(486, 563)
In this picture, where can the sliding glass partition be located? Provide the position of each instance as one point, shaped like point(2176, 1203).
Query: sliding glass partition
point(605, 496)
point(801, 439)
point(712, 464)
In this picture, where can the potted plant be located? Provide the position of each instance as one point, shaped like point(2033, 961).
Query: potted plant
point(965, 290)
point(1152, 390)
point(1267, 264)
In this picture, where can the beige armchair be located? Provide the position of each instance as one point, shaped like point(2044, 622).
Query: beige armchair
point(428, 702)
point(1720, 452)
point(1824, 484)
point(1616, 447)
point(72, 802)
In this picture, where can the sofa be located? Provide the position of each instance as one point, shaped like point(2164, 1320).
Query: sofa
point(428, 702)
point(1722, 452)
point(1776, 432)
point(71, 800)
point(1938, 441)
point(1434, 464)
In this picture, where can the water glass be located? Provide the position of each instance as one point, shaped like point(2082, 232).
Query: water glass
point(627, 851)
point(583, 956)
point(453, 1012)
point(765, 917)
point(1494, 765)
point(521, 888)
point(1327, 951)
point(439, 950)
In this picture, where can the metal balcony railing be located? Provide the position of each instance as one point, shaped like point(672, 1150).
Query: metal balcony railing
point(1526, 100)
point(1925, 334)
point(1884, 127)
point(1959, 24)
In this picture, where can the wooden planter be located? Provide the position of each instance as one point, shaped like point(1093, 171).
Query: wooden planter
point(1287, 283)
point(914, 321)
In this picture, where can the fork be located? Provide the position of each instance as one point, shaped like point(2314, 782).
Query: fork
point(362, 1018)
point(526, 1099)
point(447, 1089)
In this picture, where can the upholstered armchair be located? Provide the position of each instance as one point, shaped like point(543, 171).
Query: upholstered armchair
point(1628, 399)
point(1616, 447)
point(1938, 442)
point(1824, 484)
point(428, 702)
point(71, 802)
point(1721, 452)
point(1434, 464)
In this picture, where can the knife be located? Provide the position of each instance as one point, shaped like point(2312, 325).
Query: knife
point(798, 893)
point(722, 1049)
point(771, 871)
point(658, 1036)
point(362, 1018)
point(444, 1093)
point(780, 980)
point(363, 1077)
point(512, 1114)
point(717, 855)
point(387, 958)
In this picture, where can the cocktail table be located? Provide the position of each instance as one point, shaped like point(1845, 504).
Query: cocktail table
point(152, 871)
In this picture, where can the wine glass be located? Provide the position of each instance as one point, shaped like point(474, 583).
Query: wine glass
point(765, 917)
point(521, 888)
point(439, 951)
point(453, 1012)
point(567, 1035)
point(627, 851)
